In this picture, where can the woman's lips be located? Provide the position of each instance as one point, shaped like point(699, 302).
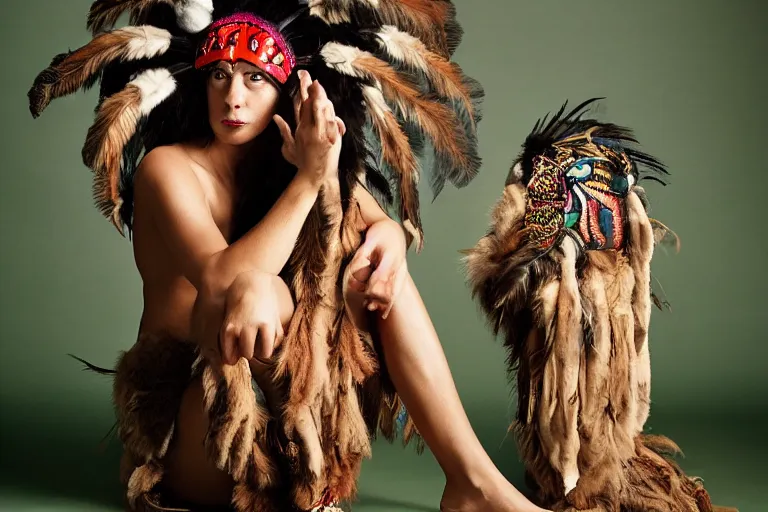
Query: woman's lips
point(228, 122)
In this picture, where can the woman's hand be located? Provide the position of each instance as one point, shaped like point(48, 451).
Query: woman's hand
point(255, 310)
point(376, 273)
point(315, 147)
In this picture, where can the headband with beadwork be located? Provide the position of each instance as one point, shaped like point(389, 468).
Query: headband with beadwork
point(246, 37)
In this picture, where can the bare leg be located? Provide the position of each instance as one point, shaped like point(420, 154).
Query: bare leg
point(420, 373)
point(190, 475)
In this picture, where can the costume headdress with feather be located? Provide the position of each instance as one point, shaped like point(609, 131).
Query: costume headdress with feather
point(386, 66)
point(564, 274)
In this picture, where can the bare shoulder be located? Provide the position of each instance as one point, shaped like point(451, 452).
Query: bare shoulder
point(162, 164)
point(166, 174)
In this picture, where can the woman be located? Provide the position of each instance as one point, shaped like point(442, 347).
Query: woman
point(219, 223)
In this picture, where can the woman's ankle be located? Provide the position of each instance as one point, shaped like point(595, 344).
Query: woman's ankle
point(476, 473)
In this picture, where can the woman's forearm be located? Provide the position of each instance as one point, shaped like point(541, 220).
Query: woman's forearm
point(267, 246)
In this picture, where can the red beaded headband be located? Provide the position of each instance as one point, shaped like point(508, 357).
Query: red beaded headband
point(247, 37)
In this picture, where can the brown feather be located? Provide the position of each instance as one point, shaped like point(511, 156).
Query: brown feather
point(74, 70)
point(445, 76)
point(623, 375)
point(104, 13)
point(561, 405)
point(397, 153)
point(424, 19)
point(115, 124)
point(437, 120)
point(448, 78)
point(235, 420)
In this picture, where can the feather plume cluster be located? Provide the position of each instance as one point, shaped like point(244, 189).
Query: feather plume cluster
point(385, 63)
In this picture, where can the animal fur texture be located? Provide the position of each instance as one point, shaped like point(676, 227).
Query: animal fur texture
point(575, 321)
point(333, 396)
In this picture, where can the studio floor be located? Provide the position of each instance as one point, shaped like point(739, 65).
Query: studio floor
point(62, 468)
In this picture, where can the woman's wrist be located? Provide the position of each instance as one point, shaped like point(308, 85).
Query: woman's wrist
point(306, 185)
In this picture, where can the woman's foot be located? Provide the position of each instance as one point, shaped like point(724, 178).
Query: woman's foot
point(492, 494)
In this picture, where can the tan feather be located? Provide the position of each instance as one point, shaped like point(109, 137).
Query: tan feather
point(434, 118)
point(397, 153)
point(445, 76)
point(70, 72)
point(115, 124)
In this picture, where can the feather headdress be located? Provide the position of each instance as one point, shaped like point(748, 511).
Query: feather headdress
point(386, 66)
point(564, 274)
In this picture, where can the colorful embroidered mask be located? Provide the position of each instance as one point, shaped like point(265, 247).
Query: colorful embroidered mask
point(249, 38)
point(581, 186)
point(578, 174)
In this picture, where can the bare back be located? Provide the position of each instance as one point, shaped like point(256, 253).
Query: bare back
point(168, 295)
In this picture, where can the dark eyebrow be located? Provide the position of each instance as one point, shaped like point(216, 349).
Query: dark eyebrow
point(224, 66)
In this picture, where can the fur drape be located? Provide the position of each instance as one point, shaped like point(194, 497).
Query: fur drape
point(575, 324)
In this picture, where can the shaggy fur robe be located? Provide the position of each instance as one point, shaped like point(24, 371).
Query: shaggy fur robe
point(576, 327)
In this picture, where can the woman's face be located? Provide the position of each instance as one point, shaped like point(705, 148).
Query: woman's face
point(241, 101)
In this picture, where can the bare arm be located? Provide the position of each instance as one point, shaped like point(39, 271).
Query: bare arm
point(170, 191)
point(372, 213)
point(180, 210)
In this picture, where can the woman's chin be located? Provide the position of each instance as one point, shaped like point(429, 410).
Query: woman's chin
point(237, 136)
point(237, 139)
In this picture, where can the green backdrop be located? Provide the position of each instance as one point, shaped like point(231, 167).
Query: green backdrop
point(688, 76)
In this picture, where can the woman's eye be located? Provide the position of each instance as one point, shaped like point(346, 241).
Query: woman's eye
point(256, 77)
point(218, 75)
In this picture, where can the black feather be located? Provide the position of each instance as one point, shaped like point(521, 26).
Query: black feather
point(92, 367)
point(562, 126)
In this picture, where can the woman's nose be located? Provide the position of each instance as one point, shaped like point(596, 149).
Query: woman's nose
point(235, 94)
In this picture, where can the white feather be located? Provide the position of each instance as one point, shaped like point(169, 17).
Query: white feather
point(375, 100)
point(517, 172)
point(402, 46)
point(194, 15)
point(341, 57)
point(146, 42)
point(155, 86)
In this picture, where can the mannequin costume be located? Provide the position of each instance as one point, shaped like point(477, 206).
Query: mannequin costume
point(386, 66)
point(564, 274)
